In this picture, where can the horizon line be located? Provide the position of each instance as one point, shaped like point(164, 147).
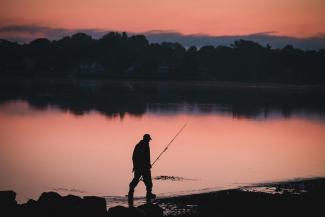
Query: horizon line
point(29, 32)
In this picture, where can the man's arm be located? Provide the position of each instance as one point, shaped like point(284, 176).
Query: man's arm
point(148, 161)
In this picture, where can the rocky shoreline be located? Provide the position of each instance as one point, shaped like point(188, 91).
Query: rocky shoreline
point(52, 204)
point(294, 198)
point(290, 198)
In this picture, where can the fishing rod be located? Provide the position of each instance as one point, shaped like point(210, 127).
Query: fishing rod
point(163, 151)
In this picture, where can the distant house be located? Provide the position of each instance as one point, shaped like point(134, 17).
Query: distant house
point(88, 84)
point(130, 71)
point(163, 70)
point(91, 68)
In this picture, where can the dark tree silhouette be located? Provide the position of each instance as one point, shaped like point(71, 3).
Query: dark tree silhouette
point(117, 55)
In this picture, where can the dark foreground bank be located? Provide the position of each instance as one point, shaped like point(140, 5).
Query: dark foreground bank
point(295, 198)
point(292, 198)
point(51, 204)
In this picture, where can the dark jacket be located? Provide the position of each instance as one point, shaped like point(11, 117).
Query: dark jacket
point(141, 156)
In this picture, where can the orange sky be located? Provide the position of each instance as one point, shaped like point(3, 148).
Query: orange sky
point(299, 18)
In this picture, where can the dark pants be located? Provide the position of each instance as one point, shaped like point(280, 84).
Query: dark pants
point(146, 175)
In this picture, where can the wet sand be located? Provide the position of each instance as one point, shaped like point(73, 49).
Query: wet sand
point(291, 198)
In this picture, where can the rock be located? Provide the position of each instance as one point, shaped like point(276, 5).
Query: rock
point(72, 200)
point(7, 197)
point(30, 208)
point(121, 211)
point(50, 199)
point(8, 203)
point(152, 210)
point(50, 204)
point(118, 211)
point(73, 205)
point(95, 206)
point(136, 212)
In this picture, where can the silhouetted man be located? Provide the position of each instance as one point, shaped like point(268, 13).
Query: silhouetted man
point(141, 167)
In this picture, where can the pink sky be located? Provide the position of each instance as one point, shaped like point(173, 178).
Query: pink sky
point(299, 18)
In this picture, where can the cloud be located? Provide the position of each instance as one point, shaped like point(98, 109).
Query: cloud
point(264, 38)
point(26, 33)
point(32, 29)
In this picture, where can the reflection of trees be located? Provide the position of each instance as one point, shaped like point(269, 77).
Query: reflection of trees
point(120, 98)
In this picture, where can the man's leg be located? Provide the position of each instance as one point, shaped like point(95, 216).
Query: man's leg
point(133, 184)
point(148, 182)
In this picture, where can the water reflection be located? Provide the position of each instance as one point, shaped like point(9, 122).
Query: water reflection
point(76, 137)
point(116, 99)
point(48, 149)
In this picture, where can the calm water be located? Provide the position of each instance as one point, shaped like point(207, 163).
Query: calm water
point(90, 154)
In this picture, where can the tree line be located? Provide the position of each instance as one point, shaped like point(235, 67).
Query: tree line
point(117, 55)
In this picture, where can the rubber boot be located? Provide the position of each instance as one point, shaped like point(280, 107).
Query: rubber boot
point(130, 198)
point(150, 196)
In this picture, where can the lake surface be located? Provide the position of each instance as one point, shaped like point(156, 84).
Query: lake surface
point(73, 149)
